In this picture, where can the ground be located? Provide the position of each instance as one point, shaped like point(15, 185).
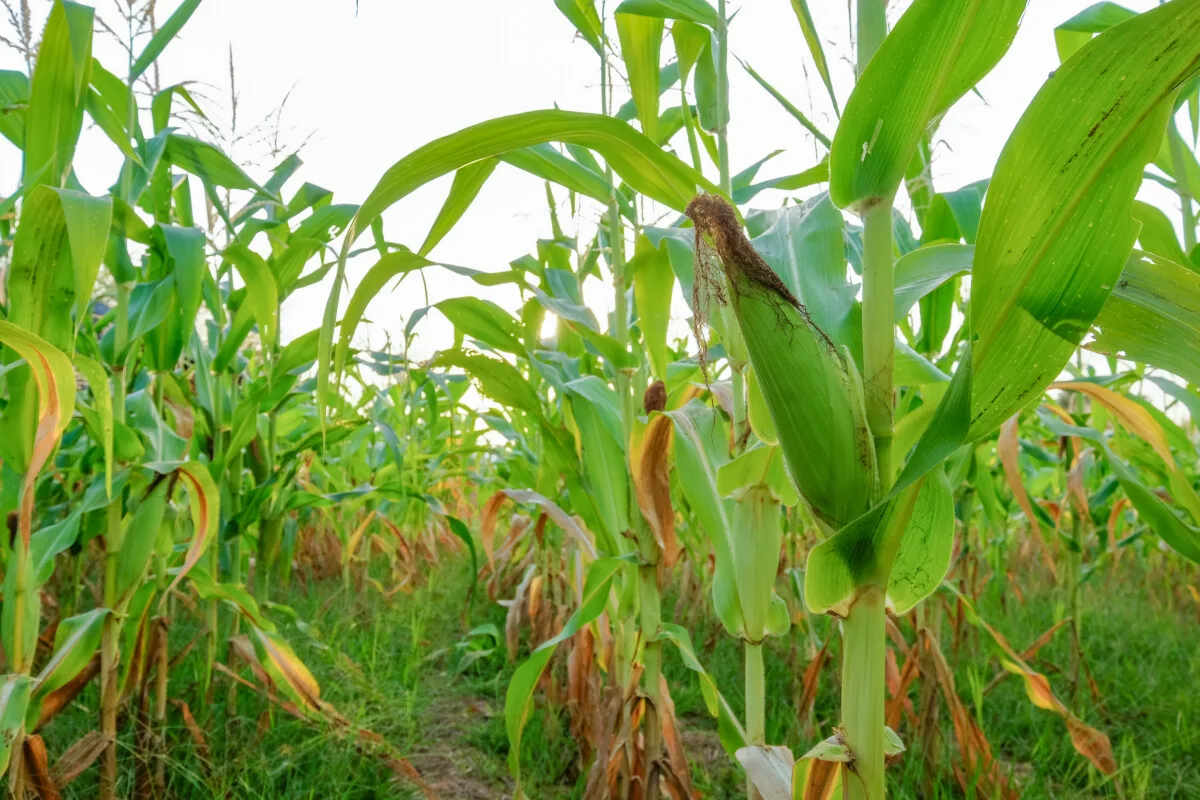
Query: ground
point(389, 665)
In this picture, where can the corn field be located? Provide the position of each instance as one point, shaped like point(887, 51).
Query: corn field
point(856, 486)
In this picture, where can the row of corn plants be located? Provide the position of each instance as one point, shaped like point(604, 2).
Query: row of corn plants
point(154, 423)
point(856, 404)
point(842, 452)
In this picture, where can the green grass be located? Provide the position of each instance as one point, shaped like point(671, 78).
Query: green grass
point(390, 666)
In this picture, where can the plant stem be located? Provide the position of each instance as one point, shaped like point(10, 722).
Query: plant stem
point(723, 98)
point(1074, 569)
point(756, 714)
point(111, 631)
point(879, 331)
point(864, 644)
point(872, 28)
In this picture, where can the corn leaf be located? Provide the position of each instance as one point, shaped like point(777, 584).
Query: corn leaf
point(262, 293)
point(1073, 34)
point(485, 321)
point(496, 379)
point(463, 191)
point(14, 700)
point(809, 29)
point(163, 36)
point(937, 52)
point(206, 162)
point(518, 699)
point(645, 167)
point(14, 99)
point(653, 286)
point(76, 640)
point(582, 14)
point(1152, 316)
point(1057, 229)
point(697, 11)
point(641, 42)
point(57, 94)
point(389, 266)
point(205, 502)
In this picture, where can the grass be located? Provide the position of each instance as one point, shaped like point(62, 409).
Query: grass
point(390, 666)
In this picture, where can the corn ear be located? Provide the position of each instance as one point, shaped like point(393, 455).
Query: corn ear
point(811, 388)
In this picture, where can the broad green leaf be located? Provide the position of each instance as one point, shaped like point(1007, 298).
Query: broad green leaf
point(48, 542)
point(463, 191)
point(937, 52)
point(647, 169)
point(485, 321)
point(701, 449)
point(1078, 30)
point(57, 94)
point(1057, 228)
point(925, 549)
point(262, 293)
point(137, 544)
point(653, 287)
point(860, 554)
point(729, 729)
point(163, 36)
point(548, 163)
point(55, 260)
point(1158, 234)
point(641, 41)
point(923, 270)
point(698, 11)
point(14, 100)
point(635, 158)
point(97, 380)
point(801, 180)
point(668, 76)
point(518, 699)
point(56, 256)
point(913, 369)
point(76, 640)
point(297, 353)
point(582, 14)
point(390, 266)
point(595, 408)
point(206, 162)
point(14, 700)
point(496, 379)
point(181, 254)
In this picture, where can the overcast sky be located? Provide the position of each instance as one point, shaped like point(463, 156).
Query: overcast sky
point(367, 86)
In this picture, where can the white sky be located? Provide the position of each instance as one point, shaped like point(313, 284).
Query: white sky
point(369, 87)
